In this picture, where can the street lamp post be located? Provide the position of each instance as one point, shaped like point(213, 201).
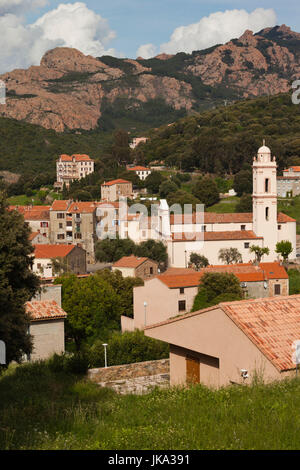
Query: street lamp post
point(145, 312)
point(105, 354)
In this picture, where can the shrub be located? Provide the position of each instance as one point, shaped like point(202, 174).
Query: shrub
point(76, 363)
point(128, 348)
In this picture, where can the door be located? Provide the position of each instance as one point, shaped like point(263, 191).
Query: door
point(192, 370)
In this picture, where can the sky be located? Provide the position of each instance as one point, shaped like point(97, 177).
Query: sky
point(130, 28)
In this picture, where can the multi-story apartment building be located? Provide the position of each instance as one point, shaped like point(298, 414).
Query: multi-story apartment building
point(113, 190)
point(74, 167)
point(74, 223)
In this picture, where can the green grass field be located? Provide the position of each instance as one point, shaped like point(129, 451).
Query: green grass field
point(291, 207)
point(43, 410)
point(225, 205)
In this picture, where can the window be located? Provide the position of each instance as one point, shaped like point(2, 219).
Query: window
point(44, 224)
point(203, 228)
point(181, 306)
point(60, 236)
point(243, 227)
point(267, 185)
point(246, 245)
point(60, 215)
point(181, 290)
point(279, 227)
point(277, 289)
point(267, 213)
point(60, 225)
point(151, 270)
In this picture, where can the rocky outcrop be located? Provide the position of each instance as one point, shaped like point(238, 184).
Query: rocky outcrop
point(71, 91)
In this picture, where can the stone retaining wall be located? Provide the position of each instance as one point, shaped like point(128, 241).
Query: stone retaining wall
point(139, 377)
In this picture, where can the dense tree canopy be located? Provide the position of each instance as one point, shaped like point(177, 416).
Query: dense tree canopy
point(17, 282)
point(215, 288)
point(206, 190)
point(108, 250)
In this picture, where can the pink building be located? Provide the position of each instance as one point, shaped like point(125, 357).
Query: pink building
point(232, 342)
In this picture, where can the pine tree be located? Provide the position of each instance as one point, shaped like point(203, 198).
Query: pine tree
point(17, 282)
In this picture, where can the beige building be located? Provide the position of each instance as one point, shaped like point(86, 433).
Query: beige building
point(74, 223)
point(70, 168)
point(47, 328)
point(111, 191)
point(136, 141)
point(232, 342)
point(173, 292)
point(134, 266)
point(72, 257)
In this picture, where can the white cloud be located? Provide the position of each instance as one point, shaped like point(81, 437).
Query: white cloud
point(69, 25)
point(77, 26)
point(146, 51)
point(17, 6)
point(217, 28)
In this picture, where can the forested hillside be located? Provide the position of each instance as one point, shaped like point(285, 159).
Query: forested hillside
point(226, 139)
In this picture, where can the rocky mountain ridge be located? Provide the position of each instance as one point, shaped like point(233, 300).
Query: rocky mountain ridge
point(71, 91)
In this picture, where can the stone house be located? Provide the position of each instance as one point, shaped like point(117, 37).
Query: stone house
point(72, 256)
point(173, 292)
point(111, 191)
point(231, 342)
point(74, 223)
point(47, 320)
point(134, 266)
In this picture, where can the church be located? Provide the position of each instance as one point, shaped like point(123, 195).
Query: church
point(205, 233)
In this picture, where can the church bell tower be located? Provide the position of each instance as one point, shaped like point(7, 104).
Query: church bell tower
point(265, 199)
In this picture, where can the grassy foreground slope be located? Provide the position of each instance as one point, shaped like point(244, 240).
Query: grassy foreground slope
point(43, 410)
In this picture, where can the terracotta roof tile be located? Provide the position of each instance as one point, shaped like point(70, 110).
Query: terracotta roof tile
point(44, 310)
point(60, 205)
point(138, 168)
point(52, 251)
point(245, 272)
point(211, 236)
point(225, 218)
point(129, 262)
point(272, 324)
point(33, 212)
point(77, 158)
point(118, 181)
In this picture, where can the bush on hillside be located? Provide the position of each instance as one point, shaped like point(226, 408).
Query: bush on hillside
point(127, 348)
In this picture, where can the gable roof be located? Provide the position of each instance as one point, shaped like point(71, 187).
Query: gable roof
point(76, 157)
point(212, 236)
point(272, 324)
point(52, 251)
point(138, 168)
point(216, 218)
point(33, 212)
point(118, 181)
point(294, 168)
point(245, 272)
point(44, 310)
point(130, 262)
